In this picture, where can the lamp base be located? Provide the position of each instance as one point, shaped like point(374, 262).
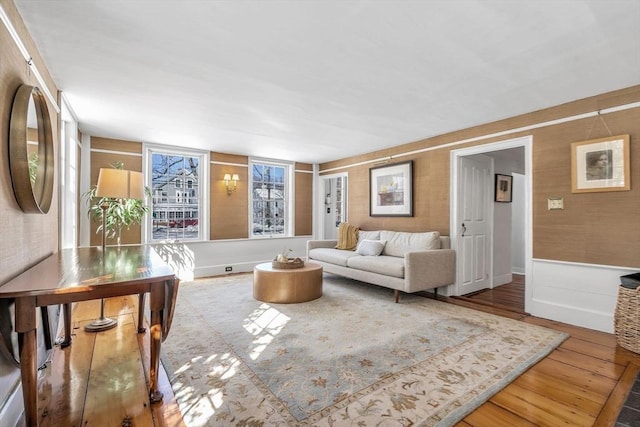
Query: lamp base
point(100, 324)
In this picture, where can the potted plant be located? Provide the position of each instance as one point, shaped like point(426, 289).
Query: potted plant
point(119, 213)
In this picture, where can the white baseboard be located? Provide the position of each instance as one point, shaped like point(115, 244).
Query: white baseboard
point(11, 412)
point(518, 270)
point(502, 279)
point(586, 318)
point(217, 270)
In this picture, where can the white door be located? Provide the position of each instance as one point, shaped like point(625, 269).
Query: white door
point(474, 248)
point(334, 205)
point(330, 229)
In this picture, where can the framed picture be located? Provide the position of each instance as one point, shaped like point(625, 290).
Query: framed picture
point(504, 188)
point(600, 165)
point(391, 190)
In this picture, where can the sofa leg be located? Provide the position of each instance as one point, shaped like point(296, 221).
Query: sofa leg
point(396, 295)
point(436, 293)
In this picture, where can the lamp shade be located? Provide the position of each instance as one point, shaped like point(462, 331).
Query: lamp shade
point(120, 184)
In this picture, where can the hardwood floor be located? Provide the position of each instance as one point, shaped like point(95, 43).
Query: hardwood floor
point(508, 297)
point(99, 380)
point(584, 382)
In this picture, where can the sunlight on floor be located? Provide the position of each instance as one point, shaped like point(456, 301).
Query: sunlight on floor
point(264, 323)
point(179, 257)
point(198, 409)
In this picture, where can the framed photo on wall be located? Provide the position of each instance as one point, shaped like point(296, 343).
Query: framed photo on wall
point(600, 165)
point(504, 188)
point(391, 190)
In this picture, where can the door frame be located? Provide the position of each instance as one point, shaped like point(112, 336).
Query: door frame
point(526, 142)
point(320, 199)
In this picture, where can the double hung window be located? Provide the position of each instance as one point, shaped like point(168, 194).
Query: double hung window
point(177, 210)
point(270, 192)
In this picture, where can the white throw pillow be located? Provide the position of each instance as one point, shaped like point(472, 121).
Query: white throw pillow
point(371, 247)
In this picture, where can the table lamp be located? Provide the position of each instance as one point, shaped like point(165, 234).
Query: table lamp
point(113, 184)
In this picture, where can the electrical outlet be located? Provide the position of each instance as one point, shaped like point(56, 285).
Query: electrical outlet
point(228, 269)
point(555, 203)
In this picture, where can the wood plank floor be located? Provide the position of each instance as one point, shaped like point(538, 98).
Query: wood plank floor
point(99, 380)
point(508, 297)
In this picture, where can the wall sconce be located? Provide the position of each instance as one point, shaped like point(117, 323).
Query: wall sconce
point(231, 182)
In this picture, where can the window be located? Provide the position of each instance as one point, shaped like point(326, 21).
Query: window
point(270, 213)
point(69, 178)
point(176, 213)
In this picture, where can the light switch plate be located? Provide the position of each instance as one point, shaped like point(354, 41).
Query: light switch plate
point(555, 203)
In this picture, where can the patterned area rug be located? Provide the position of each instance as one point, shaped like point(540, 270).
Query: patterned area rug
point(351, 358)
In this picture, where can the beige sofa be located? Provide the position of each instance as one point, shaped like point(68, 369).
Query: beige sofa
point(408, 262)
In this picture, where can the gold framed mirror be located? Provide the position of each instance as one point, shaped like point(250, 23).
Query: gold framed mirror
point(31, 157)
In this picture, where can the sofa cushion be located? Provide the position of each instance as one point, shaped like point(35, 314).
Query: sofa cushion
point(387, 265)
point(370, 247)
point(398, 242)
point(347, 236)
point(368, 235)
point(330, 255)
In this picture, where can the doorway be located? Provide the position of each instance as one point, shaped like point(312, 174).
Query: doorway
point(333, 204)
point(483, 230)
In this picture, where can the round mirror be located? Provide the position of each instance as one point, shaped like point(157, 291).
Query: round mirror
point(31, 158)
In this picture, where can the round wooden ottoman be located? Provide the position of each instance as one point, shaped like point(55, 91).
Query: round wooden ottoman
point(287, 286)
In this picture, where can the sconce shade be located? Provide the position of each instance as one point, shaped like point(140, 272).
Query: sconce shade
point(231, 182)
point(120, 184)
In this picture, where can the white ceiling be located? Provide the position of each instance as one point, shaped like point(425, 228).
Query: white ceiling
point(314, 81)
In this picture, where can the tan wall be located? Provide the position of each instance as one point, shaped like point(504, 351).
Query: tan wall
point(304, 199)
point(36, 233)
point(598, 228)
point(229, 212)
point(26, 238)
point(131, 162)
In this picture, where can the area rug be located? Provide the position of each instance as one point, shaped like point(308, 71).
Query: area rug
point(350, 358)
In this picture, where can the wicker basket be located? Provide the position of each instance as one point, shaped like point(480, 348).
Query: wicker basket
point(291, 263)
point(627, 318)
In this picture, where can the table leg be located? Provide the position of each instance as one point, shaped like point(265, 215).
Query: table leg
point(67, 325)
point(156, 304)
point(141, 328)
point(46, 327)
point(26, 328)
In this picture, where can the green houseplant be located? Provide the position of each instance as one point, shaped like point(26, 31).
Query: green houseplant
point(119, 214)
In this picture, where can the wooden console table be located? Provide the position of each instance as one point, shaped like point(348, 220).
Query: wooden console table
point(82, 274)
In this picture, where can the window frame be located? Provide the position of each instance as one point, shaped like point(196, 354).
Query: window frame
point(289, 203)
point(203, 193)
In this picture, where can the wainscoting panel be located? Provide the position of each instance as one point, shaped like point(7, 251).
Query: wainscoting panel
point(579, 294)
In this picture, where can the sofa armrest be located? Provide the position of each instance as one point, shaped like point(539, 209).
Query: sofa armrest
point(313, 244)
point(429, 269)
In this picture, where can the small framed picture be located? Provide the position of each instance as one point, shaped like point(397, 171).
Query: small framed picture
point(503, 188)
point(600, 165)
point(390, 190)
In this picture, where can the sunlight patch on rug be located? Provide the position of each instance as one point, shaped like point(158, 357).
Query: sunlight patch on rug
point(263, 324)
point(352, 356)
